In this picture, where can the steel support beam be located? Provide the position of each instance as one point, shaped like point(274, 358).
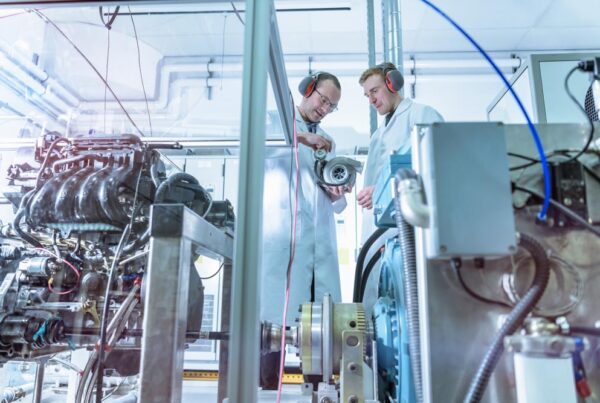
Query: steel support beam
point(372, 51)
point(279, 82)
point(174, 229)
point(244, 329)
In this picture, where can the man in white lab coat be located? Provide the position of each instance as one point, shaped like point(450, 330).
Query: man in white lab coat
point(381, 84)
point(315, 268)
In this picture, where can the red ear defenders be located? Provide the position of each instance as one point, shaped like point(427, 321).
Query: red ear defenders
point(393, 78)
point(308, 84)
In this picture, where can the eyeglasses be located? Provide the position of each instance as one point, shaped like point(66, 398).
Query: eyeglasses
point(325, 101)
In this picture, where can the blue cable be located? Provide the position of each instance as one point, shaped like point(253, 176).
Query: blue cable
point(534, 133)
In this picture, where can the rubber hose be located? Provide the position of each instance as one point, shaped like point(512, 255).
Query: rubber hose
point(514, 319)
point(590, 331)
point(406, 233)
point(360, 261)
point(17, 221)
point(365, 277)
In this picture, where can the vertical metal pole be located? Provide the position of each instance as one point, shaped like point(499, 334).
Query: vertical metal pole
point(225, 318)
point(279, 82)
point(397, 34)
point(385, 25)
point(390, 33)
point(244, 330)
point(38, 382)
point(371, 49)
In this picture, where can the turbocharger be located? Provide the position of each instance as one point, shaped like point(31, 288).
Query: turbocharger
point(338, 171)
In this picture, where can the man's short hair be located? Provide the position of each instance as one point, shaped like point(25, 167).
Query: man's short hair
point(376, 70)
point(328, 76)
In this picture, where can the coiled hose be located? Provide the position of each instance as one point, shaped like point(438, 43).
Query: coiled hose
point(406, 234)
point(514, 319)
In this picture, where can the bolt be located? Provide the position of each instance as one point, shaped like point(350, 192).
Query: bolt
point(443, 248)
point(325, 400)
point(352, 367)
point(353, 399)
point(556, 345)
point(352, 341)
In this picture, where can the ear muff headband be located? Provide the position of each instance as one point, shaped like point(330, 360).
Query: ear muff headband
point(393, 78)
point(308, 84)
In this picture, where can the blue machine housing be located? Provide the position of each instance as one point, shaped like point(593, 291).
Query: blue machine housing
point(389, 319)
point(383, 196)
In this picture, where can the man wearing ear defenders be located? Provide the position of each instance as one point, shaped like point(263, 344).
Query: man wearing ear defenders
point(381, 85)
point(315, 267)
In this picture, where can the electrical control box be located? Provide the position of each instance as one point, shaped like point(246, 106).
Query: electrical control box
point(569, 189)
point(464, 167)
point(383, 195)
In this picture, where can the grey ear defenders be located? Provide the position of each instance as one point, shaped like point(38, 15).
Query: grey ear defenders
point(393, 78)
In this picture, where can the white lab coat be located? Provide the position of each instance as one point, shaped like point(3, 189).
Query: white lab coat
point(316, 247)
point(395, 137)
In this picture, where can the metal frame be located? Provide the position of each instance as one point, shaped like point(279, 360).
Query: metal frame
point(532, 68)
point(174, 230)
point(245, 330)
point(279, 81)
point(371, 50)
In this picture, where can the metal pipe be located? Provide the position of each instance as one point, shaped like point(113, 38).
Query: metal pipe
point(38, 382)
point(397, 34)
point(371, 50)
point(384, 24)
point(412, 204)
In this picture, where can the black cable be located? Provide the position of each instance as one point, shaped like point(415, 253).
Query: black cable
point(514, 319)
point(360, 261)
point(582, 109)
point(24, 204)
point(585, 148)
point(365, 276)
point(587, 330)
point(212, 275)
point(49, 21)
point(237, 13)
point(111, 20)
point(456, 264)
point(105, 307)
point(137, 44)
point(38, 179)
point(106, 69)
point(534, 161)
point(525, 157)
point(113, 269)
point(564, 209)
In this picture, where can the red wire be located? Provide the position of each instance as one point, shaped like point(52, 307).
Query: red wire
point(68, 264)
point(289, 268)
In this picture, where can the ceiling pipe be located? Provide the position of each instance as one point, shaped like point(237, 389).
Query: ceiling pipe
point(35, 77)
